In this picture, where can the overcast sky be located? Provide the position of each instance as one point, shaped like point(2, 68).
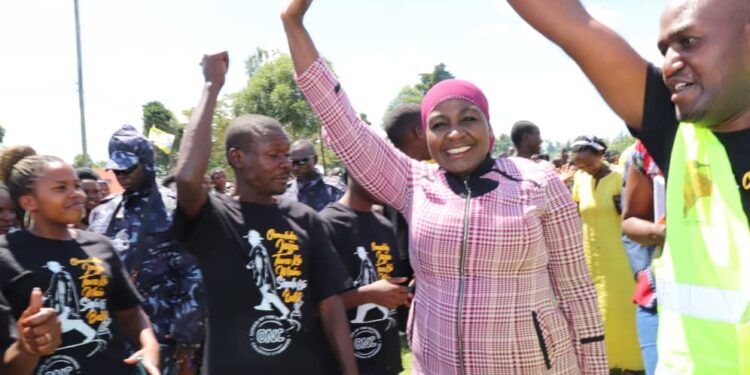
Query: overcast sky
point(143, 50)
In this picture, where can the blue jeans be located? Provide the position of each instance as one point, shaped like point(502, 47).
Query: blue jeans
point(647, 322)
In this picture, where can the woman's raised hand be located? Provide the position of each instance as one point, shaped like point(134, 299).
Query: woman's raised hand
point(295, 10)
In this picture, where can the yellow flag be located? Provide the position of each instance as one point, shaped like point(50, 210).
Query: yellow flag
point(161, 139)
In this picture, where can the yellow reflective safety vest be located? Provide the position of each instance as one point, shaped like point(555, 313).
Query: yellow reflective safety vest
point(703, 276)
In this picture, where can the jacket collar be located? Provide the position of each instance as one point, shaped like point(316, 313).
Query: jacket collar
point(476, 181)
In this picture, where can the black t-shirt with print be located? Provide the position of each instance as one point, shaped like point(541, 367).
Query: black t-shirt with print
point(85, 282)
point(265, 268)
point(660, 128)
point(367, 246)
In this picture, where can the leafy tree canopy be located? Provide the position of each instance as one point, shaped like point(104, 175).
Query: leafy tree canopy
point(272, 91)
point(415, 93)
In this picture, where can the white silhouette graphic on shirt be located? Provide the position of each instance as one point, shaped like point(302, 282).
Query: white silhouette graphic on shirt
point(265, 278)
point(367, 275)
point(62, 296)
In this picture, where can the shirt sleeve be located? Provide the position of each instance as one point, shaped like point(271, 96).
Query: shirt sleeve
point(660, 122)
point(379, 167)
point(11, 274)
point(197, 235)
point(328, 274)
point(571, 281)
point(124, 294)
point(10, 269)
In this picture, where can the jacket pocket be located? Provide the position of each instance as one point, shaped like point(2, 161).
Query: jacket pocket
point(540, 338)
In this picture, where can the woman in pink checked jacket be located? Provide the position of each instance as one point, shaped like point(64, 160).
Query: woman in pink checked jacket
point(495, 244)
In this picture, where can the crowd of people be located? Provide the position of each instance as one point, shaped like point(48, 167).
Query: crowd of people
point(504, 265)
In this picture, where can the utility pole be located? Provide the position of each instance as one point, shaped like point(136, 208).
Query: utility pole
point(80, 84)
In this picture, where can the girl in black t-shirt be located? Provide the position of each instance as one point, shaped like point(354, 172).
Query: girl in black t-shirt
point(78, 272)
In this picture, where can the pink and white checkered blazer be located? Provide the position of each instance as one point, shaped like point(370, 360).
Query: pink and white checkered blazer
point(522, 300)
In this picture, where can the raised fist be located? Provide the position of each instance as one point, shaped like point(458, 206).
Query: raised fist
point(215, 68)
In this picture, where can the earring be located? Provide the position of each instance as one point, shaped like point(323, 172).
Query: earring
point(28, 221)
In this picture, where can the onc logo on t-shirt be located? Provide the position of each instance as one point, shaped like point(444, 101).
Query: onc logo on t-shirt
point(367, 342)
point(269, 335)
point(59, 365)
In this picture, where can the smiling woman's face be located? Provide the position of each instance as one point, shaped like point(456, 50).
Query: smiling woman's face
point(57, 197)
point(458, 136)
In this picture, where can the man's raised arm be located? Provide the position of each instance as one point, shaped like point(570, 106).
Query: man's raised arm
point(612, 65)
point(195, 147)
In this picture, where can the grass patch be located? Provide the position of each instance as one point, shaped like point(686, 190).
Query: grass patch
point(406, 357)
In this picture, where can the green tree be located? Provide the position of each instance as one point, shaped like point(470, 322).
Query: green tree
point(2, 133)
point(257, 59)
point(408, 94)
point(619, 143)
point(414, 94)
point(439, 73)
point(155, 114)
point(272, 91)
point(503, 143)
point(81, 160)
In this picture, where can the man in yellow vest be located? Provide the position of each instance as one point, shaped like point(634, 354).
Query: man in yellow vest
point(693, 115)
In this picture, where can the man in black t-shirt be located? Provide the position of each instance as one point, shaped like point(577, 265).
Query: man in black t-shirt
point(367, 245)
point(271, 274)
point(693, 115)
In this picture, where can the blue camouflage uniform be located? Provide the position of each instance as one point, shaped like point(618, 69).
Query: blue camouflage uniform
point(317, 192)
point(168, 279)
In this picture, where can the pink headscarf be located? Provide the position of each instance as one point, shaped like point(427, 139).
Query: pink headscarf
point(456, 89)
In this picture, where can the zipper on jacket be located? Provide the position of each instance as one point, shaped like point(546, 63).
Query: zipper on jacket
point(540, 337)
point(462, 274)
